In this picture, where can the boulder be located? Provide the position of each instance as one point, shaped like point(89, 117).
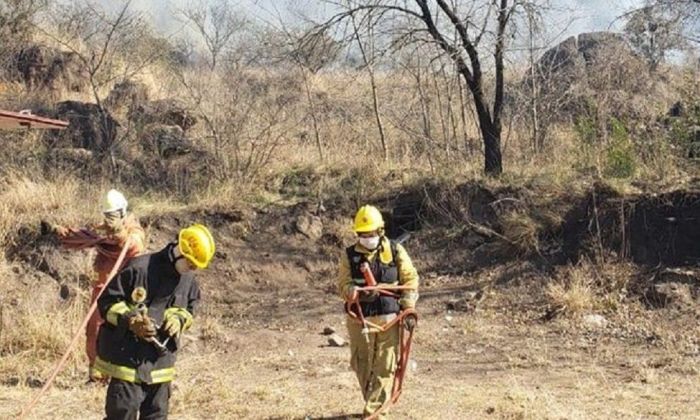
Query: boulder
point(90, 128)
point(310, 226)
point(127, 94)
point(166, 140)
point(42, 67)
point(165, 112)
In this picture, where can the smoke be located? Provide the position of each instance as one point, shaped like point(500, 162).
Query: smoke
point(579, 15)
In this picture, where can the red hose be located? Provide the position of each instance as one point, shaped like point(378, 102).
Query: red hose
point(354, 311)
point(27, 409)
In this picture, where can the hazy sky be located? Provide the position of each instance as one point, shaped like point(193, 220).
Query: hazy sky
point(590, 15)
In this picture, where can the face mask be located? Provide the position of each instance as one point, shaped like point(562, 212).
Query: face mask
point(370, 243)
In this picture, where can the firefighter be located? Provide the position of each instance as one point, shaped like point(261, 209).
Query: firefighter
point(373, 354)
point(147, 307)
point(108, 239)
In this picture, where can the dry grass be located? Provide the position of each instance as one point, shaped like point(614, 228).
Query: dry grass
point(572, 293)
point(35, 333)
point(522, 231)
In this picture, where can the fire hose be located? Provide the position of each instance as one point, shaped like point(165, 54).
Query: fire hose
point(117, 265)
point(354, 311)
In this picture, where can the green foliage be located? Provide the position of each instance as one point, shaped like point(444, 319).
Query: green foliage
point(683, 130)
point(585, 129)
point(620, 159)
point(618, 131)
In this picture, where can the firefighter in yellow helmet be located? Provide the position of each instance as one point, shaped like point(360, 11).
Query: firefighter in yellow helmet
point(146, 308)
point(107, 239)
point(373, 355)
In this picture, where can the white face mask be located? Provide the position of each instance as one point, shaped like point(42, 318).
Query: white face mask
point(370, 243)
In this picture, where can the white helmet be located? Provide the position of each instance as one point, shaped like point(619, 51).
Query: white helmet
point(114, 201)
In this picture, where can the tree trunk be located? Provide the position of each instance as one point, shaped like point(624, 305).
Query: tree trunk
point(378, 115)
point(492, 149)
point(490, 129)
point(314, 120)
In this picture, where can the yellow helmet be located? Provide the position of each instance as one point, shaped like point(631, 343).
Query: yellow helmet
point(197, 245)
point(368, 219)
point(114, 201)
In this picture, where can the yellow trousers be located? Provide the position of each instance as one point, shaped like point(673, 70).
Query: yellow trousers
point(373, 357)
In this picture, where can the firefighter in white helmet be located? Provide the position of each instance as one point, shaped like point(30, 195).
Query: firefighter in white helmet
point(373, 354)
point(108, 239)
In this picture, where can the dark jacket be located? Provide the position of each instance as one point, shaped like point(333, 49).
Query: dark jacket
point(120, 353)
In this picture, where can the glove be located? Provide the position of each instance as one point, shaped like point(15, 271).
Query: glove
point(410, 322)
point(172, 325)
point(142, 326)
point(52, 228)
point(114, 222)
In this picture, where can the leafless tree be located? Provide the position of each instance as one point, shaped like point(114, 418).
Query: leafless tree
point(367, 47)
point(654, 32)
point(467, 32)
point(218, 23)
point(310, 51)
point(111, 46)
point(17, 19)
point(245, 118)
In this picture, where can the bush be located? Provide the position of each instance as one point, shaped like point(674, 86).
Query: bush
point(620, 159)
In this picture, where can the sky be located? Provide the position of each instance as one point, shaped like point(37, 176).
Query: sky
point(589, 15)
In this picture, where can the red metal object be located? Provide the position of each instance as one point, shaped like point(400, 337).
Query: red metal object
point(24, 119)
point(368, 275)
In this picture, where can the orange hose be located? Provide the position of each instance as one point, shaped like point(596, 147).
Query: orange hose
point(27, 409)
point(354, 311)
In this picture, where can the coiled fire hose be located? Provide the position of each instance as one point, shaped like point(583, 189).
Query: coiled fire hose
point(354, 311)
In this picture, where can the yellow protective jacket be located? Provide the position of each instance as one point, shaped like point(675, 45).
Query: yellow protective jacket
point(387, 259)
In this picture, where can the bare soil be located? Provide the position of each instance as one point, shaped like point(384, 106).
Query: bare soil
point(488, 345)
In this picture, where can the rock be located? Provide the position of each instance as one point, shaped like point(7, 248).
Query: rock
point(127, 94)
point(90, 127)
point(449, 318)
point(669, 295)
point(42, 67)
point(595, 321)
point(166, 140)
point(490, 410)
point(34, 382)
point(467, 302)
point(164, 112)
point(328, 331)
point(678, 275)
point(571, 70)
point(336, 341)
point(310, 226)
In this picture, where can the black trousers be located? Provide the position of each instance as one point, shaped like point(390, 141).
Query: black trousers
point(130, 401)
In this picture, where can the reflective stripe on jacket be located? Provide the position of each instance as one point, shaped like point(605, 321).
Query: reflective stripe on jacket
point(149, 280)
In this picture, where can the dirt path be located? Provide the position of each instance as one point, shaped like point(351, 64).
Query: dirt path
point(468, 365)
point(257, 351)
